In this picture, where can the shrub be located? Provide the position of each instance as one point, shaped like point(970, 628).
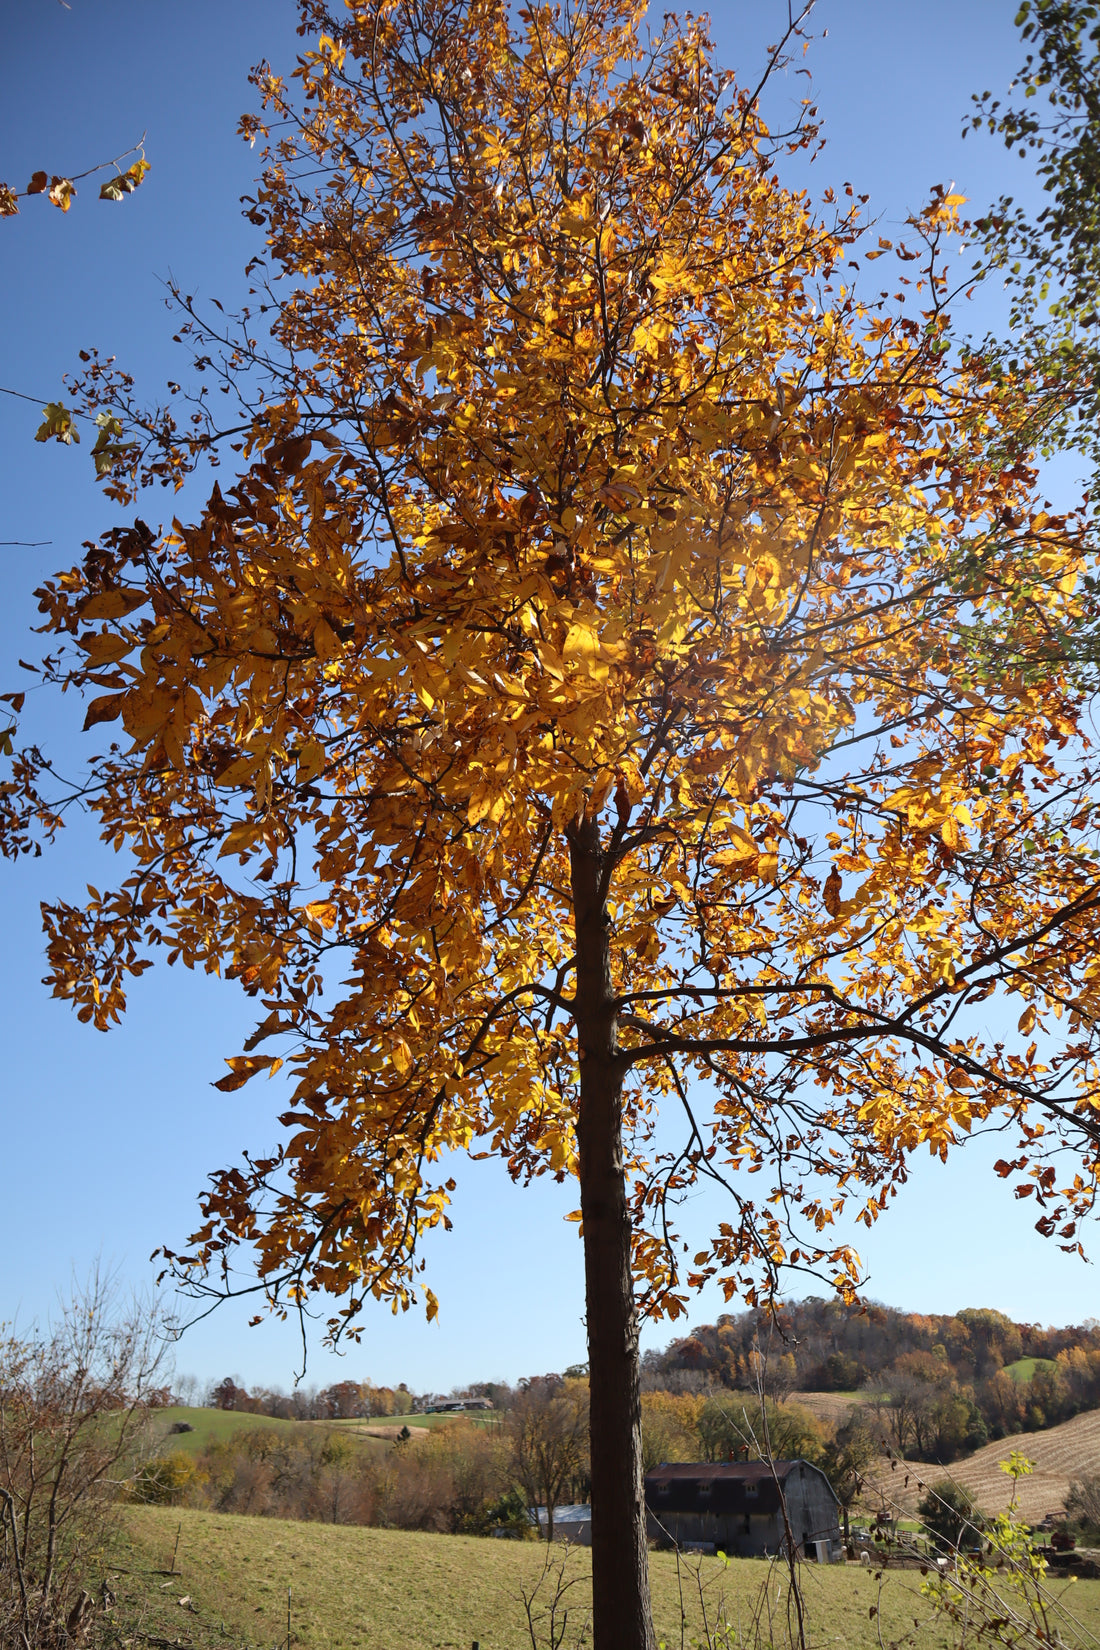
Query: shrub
point(168, 1481)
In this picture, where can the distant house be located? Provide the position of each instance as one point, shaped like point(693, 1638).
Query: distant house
point(737, 1508)
point(444, 1406)
point(572, 1522)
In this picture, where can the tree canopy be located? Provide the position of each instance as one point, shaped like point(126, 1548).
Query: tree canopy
point(573, 705)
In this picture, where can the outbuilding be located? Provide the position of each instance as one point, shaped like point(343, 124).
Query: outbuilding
point(737, 1507)
point(572, 1523)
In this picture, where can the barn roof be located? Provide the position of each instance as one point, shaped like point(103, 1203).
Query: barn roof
point(727, 1471)
point(721, 1486)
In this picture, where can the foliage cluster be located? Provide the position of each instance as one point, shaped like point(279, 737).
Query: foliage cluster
point(461, 1479)
point(1050, 259)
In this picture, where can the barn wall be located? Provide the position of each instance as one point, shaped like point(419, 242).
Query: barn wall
point(812, 1508)
point(811, 1511)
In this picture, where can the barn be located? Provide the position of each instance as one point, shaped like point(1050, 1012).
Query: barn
point(736, 1507)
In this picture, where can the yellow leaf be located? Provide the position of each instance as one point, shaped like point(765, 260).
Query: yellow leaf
point(323, 913)
point(582, 651)
point(103, 647)
point(244, 1066)
point(831, 894)
point(311, 761)
point(112, 604)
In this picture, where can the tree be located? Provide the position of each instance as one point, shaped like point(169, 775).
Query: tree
point(740, 1426)
point(344, 1401)
point(844, 1460)
point(1082, 1502)
point(1050, 260)
point(669, 1428)
point(548, 1429)
point(581, 666)
point(949, 1515)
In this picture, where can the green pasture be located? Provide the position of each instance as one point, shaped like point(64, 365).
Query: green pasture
point(369, 1589)
point(1024, 1368)
point(220, 1426)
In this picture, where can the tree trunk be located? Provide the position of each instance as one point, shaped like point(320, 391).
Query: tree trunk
point(621, 1618)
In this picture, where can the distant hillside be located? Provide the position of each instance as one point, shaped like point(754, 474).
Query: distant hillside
point(825, 1346)
point(941, 1386)
point(205, 1427)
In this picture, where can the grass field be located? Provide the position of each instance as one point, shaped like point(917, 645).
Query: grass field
point(367, 1589)
point(215, 1426)
point(834, 1407)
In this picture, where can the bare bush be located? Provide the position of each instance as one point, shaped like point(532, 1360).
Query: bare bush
point(74, 1403)
point(1083, 1502)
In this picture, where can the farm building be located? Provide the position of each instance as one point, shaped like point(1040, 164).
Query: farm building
point(736, 1508)
point(572, 1522)
point(444, 1406)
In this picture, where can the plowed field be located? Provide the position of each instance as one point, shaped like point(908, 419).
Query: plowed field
point(1060, 1454)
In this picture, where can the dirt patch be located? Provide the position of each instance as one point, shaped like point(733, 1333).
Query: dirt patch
point(391, 1434)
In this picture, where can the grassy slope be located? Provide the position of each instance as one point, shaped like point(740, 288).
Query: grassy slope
point(365, 1589)
point(215, 1426)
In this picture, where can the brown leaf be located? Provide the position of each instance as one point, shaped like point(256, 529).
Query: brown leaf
point(37, 184)
point(831, 895)
point(106, 709)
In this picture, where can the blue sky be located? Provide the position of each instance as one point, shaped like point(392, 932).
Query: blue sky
point(108, 1138)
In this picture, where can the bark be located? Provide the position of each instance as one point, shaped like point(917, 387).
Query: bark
point(621, 1618)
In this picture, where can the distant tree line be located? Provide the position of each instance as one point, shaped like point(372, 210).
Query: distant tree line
point(344, 1400)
